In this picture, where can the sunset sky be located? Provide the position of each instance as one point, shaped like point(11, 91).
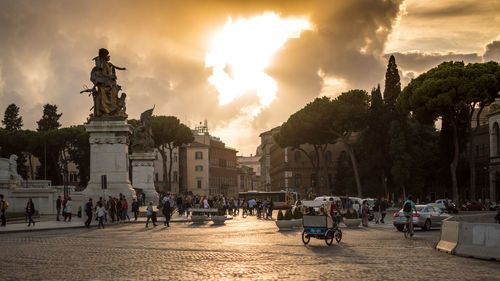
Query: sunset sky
point(244, 66)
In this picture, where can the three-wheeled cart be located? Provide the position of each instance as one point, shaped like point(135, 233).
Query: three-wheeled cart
point(320, 227)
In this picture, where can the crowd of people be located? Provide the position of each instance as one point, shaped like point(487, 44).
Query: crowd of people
point(364, 210)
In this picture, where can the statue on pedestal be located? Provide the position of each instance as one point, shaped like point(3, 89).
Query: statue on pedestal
point(105, 90)
point(142, 138)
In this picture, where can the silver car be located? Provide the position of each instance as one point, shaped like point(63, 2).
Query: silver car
point(427, 216)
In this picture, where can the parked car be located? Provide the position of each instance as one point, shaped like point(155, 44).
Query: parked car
point(427, 216)
point(446, 205)
point(473, 206)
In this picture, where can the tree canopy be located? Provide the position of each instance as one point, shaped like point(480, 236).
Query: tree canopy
point(168, 133)
point(451, 91)
point(50, 118)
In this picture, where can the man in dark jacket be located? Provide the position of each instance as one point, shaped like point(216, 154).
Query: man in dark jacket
point(58, 206)
point(383, 209)
point(88, 211)
point(135, 208)
point(167, 211)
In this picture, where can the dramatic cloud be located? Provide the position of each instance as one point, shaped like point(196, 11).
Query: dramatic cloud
point(413, 63)
point(446, 26)
point(47, 49)
point(492, 52)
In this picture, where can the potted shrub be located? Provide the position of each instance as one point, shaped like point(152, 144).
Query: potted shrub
point(297, 218)
point(284, 221)
point(198, 218)
point(220, 217)
point(351, 218)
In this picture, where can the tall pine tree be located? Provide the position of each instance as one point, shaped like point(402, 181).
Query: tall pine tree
point(11, 119)
point(392, 84)
point(50, 118)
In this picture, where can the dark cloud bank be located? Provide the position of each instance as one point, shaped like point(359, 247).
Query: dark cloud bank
point(47, 47)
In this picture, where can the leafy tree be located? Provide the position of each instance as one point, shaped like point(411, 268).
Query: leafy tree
point(452, 91)
point(305, 127)
point(484, 79)
point(374, 140)
point(168, 133)
point(348, 114)
point(50, 118)
point(11, 119)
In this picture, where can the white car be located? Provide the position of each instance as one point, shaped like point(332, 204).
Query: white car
point(440, 203)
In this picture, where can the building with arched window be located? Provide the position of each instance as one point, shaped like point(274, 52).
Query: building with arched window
point(494, 163)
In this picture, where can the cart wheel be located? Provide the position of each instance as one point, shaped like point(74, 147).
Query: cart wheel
point(329, 237)
point(305, 238)
point(338, 235)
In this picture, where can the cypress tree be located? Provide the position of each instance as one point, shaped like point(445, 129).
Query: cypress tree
point(11, 119)
point(50, 118)
point(392, 84)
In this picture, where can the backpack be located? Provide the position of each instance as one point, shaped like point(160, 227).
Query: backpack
point(407, 207)
point(5, 205)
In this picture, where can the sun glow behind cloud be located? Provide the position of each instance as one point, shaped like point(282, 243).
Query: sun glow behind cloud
point(243, 49)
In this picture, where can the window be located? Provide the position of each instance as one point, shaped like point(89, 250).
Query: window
point(496, 139)
point(198, 155)
point(175, 176)
point(313, 180)
point(73, 177)
point(198, 168)
point(297, 156)
point(198, 183)
point(175, 157)
point(298, 180)
point(156, 176)
point(328, 156)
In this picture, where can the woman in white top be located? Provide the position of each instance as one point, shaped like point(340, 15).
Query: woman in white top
point(68, 209)
point(149, 213)
point(100, 211)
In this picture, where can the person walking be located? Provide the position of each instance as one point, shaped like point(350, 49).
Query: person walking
point(135, 209)
point(3, 208)
point(149, 213)
point(119, 211)
point(58, 206)
point(68, 209)
point(88, 212)
point(112, 208)
point(364, 213)
point(100, 212)
point(125, 209)
point(270, 207)
point(383, 209)
point(376, 211)
point(357, 207)
point(30, 211)
point(167, 212)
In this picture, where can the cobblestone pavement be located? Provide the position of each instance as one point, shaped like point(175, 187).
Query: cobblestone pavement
point(247, 248)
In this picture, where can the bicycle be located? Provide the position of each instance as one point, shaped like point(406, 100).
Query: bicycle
point(407, 231)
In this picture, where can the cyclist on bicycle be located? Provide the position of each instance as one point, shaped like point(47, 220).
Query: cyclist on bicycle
point(408, 210)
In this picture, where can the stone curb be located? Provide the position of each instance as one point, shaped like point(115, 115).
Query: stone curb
point(93, 226)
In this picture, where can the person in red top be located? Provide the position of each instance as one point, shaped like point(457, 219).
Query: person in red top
point(125, 209)
point(333, 210)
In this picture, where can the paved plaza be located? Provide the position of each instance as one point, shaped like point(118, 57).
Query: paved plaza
point(245, 248)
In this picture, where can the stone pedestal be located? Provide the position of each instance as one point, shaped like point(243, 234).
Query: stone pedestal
point(109, 140)
point(143, 174)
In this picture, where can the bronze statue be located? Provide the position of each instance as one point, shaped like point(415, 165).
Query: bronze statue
point(142, 138)
point(105, 90)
